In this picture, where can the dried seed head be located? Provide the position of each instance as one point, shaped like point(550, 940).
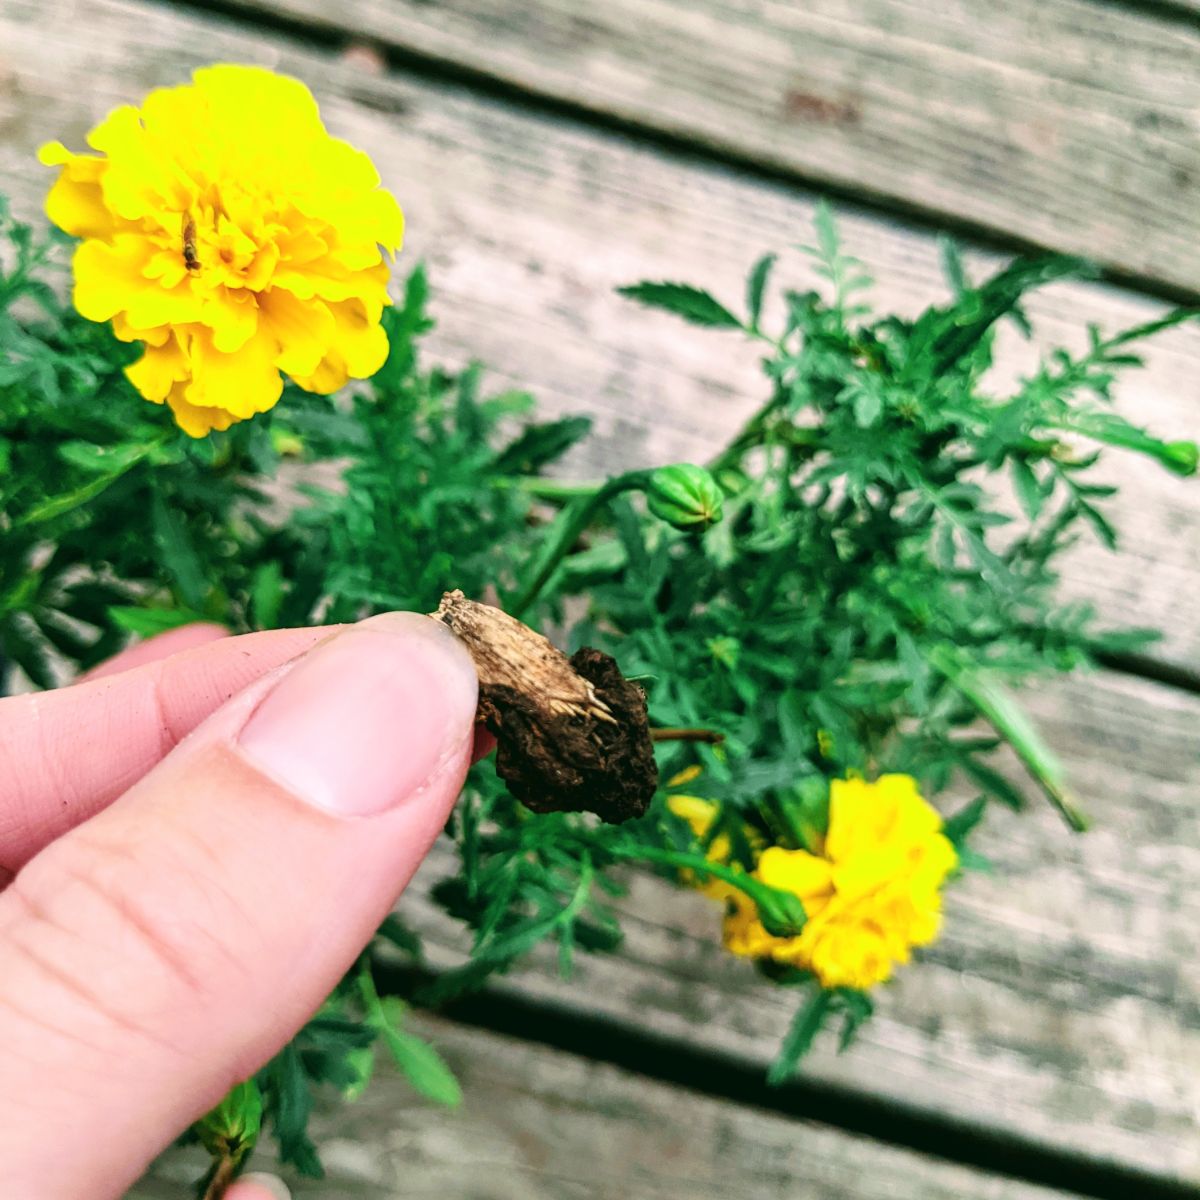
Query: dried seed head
point(572, 734)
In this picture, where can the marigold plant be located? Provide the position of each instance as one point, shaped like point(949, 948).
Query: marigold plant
point(826, 617)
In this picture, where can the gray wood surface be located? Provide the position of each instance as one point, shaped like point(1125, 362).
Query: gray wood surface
point(529, 224)
point(1071, 124)
point(538, 1124)
point(1062, 1002)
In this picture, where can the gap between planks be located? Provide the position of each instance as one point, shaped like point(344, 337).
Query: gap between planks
point(1063, 125)
point(541, 1124)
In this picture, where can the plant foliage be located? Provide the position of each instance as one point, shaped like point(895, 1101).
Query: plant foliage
point(867, 597)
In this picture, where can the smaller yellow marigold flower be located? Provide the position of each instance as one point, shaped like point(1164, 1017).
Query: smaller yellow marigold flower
point(870, 896)
point(225, 229)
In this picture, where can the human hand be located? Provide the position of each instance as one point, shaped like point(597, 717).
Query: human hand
point(195, 844)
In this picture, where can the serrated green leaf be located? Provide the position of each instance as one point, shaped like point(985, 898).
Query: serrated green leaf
point(179, 555)
point(1029, 491)
point(806, 1024)
point(692, 304)
point(756, 287)
point(290, 1108)
point(422, 1065)
point(539, 445)
point(957, 827)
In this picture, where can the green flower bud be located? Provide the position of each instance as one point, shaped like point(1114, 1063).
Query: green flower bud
point(685, 496)
point(231, 1129)
point(781, 913)
point(1181, 457)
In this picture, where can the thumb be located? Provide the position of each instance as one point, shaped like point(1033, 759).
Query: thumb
point(166, 948)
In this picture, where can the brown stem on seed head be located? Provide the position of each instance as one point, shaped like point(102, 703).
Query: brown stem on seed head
point(711, 736)
point(571, 734)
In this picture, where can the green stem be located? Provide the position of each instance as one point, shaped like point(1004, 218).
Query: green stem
point(781, 913)
point(748, 436)
point(571, 523)
point(550, 489)
point(1010, 721)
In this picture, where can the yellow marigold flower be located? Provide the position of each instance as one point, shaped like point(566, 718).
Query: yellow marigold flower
point(871, 895)
point(225, 229)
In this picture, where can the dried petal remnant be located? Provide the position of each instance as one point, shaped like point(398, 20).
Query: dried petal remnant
point(571, 734)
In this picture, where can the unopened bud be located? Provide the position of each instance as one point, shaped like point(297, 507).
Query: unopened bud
point(685, 496)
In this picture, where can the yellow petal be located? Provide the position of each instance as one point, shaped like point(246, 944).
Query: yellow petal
point(75, 202)
point(302, 329)
point(159, 369)
point(360, 340)
point(242, 384)
point(108, 277)
point(232, 316)
point(196, 421)
point(795, 871)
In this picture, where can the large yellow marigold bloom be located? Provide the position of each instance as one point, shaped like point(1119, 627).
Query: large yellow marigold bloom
point(225, 229)
point(871, 895)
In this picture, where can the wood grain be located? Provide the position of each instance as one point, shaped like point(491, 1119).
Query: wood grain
point(1073, 125)
point(1062, 1001)
point(529, 224)
point(542, 1125)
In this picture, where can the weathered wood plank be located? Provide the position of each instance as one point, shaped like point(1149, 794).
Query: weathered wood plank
point(542, 1125)
point(1073, 124)
point(1062, 1002)
point(1071, 1028)
point(529, 224)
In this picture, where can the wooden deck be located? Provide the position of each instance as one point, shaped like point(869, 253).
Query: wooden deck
point(548, 151)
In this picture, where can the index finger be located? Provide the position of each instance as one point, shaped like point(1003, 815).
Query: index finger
point(67, 754)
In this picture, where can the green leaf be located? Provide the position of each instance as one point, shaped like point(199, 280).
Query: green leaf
point(690, 303)
point(857, 1008)
point(995, 784)
point(179, 555)
point(957, 827)
point(422, 1065)
point(103, 460)
point(828, 242)
point(1179, 457)
point(540, 444)
point(868, 404)
point(756, 287)
point(396, 932)
point(1029, 491)
point(1008, 718)
point(19, 643)
point(291, 1107)
point(266, 594)
point(806, 1024)
point(952, 265)
point(361, 1063)
point(149, 622)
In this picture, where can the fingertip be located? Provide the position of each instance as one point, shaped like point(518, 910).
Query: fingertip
point(154, 649)
point(258, 1186)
